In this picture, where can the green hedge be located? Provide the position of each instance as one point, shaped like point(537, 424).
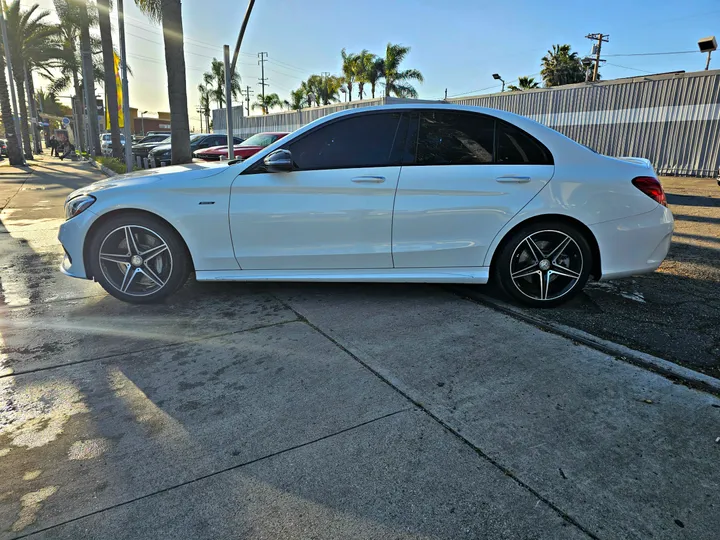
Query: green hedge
point(114, 164)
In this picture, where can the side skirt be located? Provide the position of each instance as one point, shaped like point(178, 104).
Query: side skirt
point(477, 275)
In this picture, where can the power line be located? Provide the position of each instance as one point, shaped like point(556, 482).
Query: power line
point(626, 67)
point(653, 53)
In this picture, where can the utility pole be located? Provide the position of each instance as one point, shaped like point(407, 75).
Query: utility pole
point(248, 93)
point(262, 58)
point(445, 98)
point(597, 47)
point(200, 111)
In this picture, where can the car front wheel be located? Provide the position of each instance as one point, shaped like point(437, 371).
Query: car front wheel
point(544, 264)
point(138, 258)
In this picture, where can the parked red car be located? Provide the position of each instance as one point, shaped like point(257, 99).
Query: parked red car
point(244, 150)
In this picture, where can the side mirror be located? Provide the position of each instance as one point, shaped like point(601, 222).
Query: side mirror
point(279, 161)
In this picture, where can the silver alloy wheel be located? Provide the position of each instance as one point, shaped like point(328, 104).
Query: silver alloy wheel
point(135, 260)
point(546, 265)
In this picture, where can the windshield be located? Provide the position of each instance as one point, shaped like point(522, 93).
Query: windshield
point(260, 139)
point(197, 136)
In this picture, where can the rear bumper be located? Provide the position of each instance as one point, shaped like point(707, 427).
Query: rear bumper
point(634, 245)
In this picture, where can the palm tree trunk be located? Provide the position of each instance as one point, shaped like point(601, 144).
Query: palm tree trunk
point(80, 135)
point(88, 78)
point(109, 67)
point(13, 141)
point(177, 87)
point(22, 105)
point(33, 111)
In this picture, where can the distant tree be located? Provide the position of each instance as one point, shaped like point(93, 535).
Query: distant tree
point(205, 96)
point(561, 66)
point(364, 64)
point(349, 71)
point(524, 83)
point(397, 80)
point(214, 81)
point(374, 73)
point(267, 102)
point(50, 104)
point(298, 99)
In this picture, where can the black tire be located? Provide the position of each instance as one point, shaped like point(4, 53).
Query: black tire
point(534, 269)
point(161, 267)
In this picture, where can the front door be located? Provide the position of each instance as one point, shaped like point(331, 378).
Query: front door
point(470, 174)
point(333, 210)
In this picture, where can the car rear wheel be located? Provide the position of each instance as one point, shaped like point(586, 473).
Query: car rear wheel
point(544, 264)
point(138, 258)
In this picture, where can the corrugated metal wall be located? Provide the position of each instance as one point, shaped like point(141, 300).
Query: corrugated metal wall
point(672, 119)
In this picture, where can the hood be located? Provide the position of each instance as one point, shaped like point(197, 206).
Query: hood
point(165, 147)
point(135, 180)
point(147, 145)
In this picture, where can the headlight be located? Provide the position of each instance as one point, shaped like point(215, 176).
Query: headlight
point(78, 205)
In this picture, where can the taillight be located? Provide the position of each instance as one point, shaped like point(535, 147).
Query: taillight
point(651, 187)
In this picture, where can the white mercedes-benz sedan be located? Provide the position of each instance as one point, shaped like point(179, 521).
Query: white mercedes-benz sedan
point(427, 193)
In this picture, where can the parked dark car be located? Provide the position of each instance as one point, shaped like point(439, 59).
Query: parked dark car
point(142, 149)
point(3, 147)
point(161, 154)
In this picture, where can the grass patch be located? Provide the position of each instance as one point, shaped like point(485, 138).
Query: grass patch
point(115, 164)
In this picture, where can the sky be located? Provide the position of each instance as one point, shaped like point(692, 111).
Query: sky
point(456, 44)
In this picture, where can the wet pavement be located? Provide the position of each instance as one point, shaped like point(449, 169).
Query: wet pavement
point(320, 411)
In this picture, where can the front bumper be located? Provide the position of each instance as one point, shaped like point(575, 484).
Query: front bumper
point(634, 245)
point(72, 237)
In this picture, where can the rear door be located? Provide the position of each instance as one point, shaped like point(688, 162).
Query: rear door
point(466, 175)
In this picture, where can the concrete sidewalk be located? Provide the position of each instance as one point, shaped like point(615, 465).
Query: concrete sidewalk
point(323, 411)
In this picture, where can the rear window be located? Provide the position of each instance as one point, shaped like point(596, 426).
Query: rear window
point(515, 147)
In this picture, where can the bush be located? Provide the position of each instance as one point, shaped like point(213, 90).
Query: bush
point(114, 164)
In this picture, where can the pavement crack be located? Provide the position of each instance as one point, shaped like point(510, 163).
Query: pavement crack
point(218, 472)
point(151, 348)
point(509, 473)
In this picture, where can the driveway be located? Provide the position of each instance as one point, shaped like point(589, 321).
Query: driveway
point(320, 411)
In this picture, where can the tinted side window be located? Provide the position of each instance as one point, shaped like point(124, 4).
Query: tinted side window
point(454, 138)
point(515, 147)
point(365, 140)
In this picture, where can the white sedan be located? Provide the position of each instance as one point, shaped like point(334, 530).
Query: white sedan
point(425, 193)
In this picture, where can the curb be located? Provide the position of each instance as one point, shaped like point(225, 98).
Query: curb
point(103, 168)
point(670, 370)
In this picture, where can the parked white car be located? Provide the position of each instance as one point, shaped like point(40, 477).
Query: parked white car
point(106, 143)
point(403, 193)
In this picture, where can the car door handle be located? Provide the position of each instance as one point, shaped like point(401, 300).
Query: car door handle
point(369, 179)
point(513, 179)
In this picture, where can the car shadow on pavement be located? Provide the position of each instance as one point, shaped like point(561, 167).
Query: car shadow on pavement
point(692, 200)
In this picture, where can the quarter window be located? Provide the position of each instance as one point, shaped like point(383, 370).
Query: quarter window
point(515, 147)
point(365, 140)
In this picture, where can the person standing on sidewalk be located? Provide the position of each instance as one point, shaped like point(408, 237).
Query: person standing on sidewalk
point(53, 146)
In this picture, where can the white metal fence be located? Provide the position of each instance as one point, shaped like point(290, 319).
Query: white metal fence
point(671, 119)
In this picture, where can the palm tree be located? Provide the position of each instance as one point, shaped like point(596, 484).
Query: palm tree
point(374, 73)
point(298, 99)
point(109, 68)
point(396, 81)
point(215, 81)
point(50, 104)
point(364, 64)
point(267, 102)
point(349, 70)
point(13, 140)
point(561, 66)
point(524, 83)
point(169, 12)
point(324, 88)
point(28, 35)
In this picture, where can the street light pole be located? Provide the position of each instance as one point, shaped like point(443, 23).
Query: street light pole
point(142, 122)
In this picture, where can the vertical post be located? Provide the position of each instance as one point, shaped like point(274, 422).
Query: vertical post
point(11, 82)
point(90, 106)
point(262, 56)
point(125, 91)
point(597, 57)
point(228, 102)
point(707, 64)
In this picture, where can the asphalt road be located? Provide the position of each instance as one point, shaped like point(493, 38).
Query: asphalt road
point(320, 411)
